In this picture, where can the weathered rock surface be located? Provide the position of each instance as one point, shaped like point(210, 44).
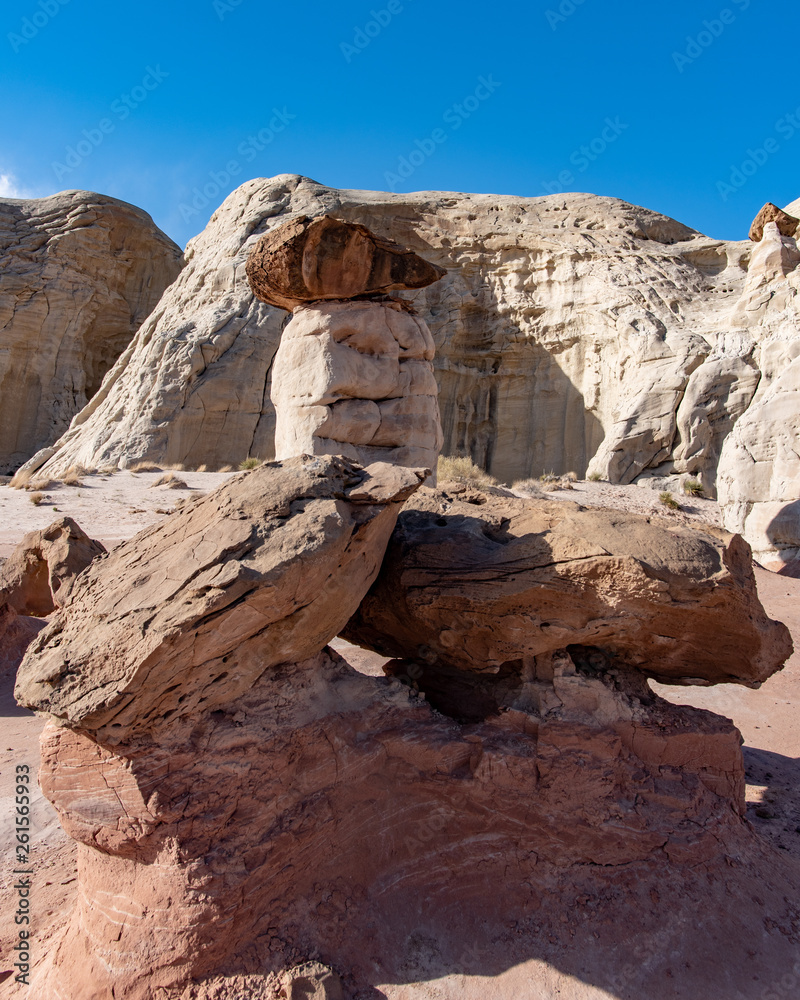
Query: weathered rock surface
point(17, 632)
point(79, 273)
point(495, 585)
point(787, 224)
point(306, 260)
point(572, 332)
point(37, 576)
point(189, 613)
point(356, 379)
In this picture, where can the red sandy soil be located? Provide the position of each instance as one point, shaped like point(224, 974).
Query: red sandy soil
point(113, 508)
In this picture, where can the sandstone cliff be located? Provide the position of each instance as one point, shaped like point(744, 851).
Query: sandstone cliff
point(79, 273)
point(572, 332)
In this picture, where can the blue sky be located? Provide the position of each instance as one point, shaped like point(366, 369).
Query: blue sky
point(689, 108)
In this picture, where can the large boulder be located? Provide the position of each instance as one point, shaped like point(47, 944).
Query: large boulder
point(38, 575)
point(308, 260)
point(494, 585)
point(79, 273)
point(190, 612)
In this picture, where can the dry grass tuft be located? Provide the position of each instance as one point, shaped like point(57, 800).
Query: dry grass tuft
point(249, 463)
point(458, 469)
point(171, 481)
point(20, 480)
point(36, 498)
point(594, 477)
point(145, 467)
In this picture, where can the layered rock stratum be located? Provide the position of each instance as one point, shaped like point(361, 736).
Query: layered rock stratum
point(572, 333)
point(79, 273)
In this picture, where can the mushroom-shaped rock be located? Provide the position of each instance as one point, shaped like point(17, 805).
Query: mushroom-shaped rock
point(787, 224)
point(323, 258)
point(190, 612)
point(489, 584)
point(37, 576)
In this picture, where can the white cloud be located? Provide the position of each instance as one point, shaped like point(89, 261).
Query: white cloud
point(10, 189)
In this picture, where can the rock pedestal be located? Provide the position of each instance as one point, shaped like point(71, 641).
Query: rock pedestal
point(353, 375)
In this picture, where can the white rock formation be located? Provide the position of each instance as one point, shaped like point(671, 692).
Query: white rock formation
point(759, 470)
point(356, 379)
point(79, 273)
point(572, 332)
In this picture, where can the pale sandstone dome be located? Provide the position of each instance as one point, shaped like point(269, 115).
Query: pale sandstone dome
point(572, 332)
point(79, 273)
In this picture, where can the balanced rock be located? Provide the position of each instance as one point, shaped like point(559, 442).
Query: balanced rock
point(498, 586)
point(305, 260)
point(79, 273)
point(252, 812)
point(38, 575)
point(189, 613)
point(356, 379)
point(786, 223)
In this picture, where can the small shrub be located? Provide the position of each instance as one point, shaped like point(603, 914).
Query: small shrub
point(459, 469)
point(40, 485)
point(693, 488)
point(548, 477)
point(145, 467)
point(571, 477)
point(226, 468)
point(530, 487)
point(594, 477)
point(36, 498)
point(668, 500)
point(70, 479)
point(249, 463)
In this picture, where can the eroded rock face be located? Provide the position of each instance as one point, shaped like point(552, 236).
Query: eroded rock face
point(37, 576)
point(495, 585)
point(79, 273)
point(190, 612)
point(759, 468)
point(356, 379)
point(306, 260)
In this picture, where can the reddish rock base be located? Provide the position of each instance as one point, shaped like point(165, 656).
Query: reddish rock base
point(329, 815)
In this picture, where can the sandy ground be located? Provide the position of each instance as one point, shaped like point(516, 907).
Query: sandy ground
point(112, 508)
